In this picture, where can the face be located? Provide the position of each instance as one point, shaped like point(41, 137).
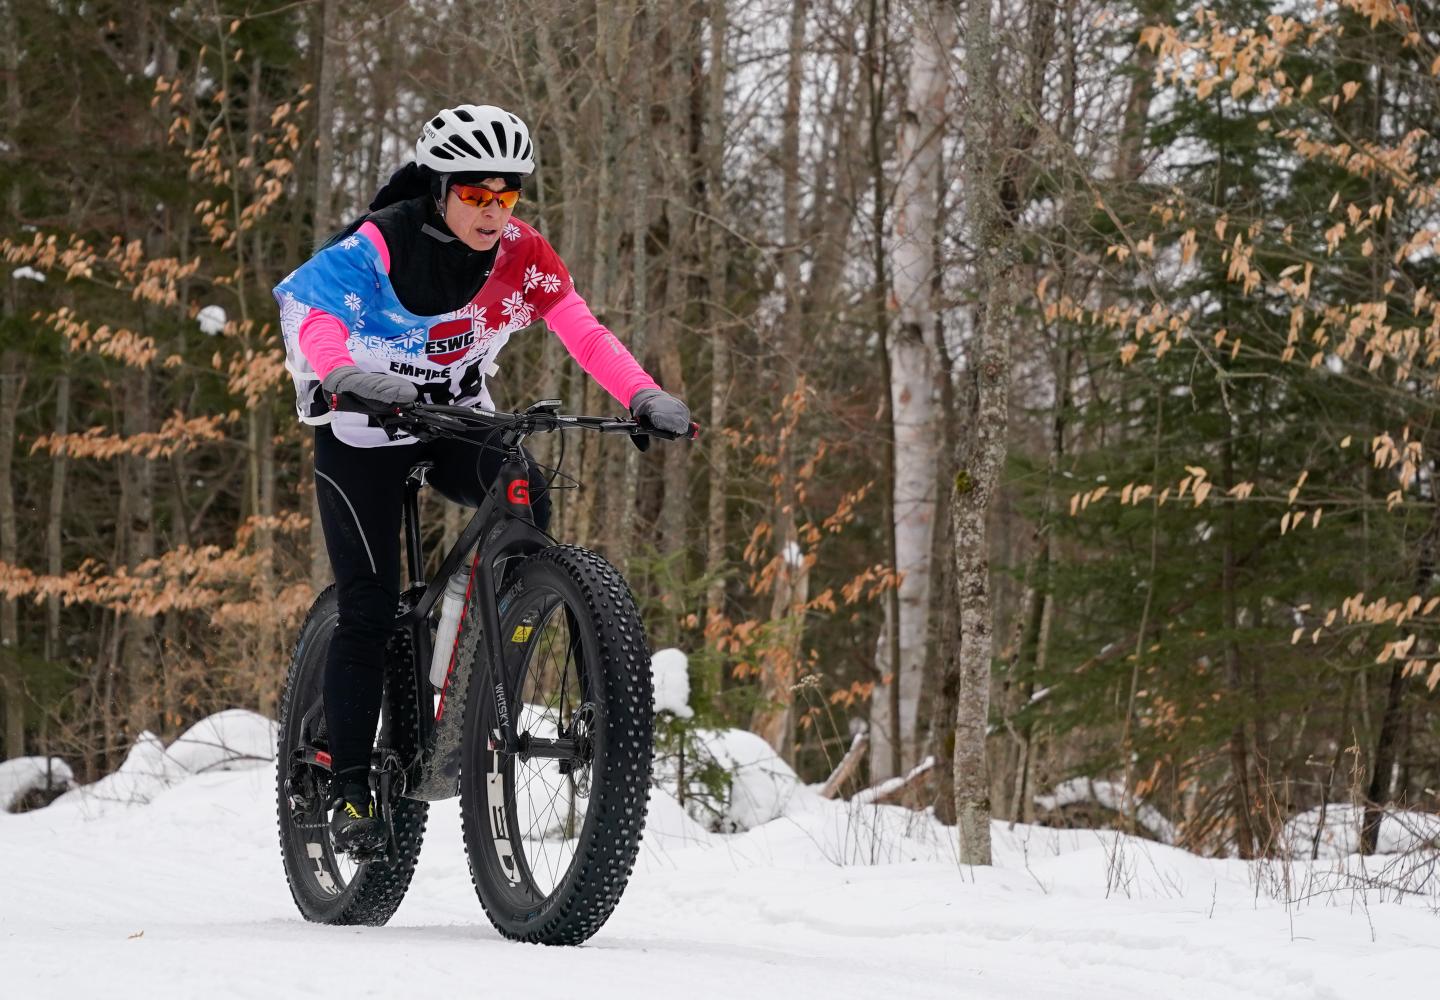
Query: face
point(478, 228)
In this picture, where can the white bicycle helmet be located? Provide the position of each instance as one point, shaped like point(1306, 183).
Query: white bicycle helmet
point(475, 137)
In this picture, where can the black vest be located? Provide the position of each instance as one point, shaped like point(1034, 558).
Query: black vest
point(431, 270)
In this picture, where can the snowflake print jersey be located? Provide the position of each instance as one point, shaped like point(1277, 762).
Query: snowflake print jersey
point(448, 356)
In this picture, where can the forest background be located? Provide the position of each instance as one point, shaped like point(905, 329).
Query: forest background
point(1067, 372)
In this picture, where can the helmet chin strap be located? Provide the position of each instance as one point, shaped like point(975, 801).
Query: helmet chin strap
point(437, 235)
point(444, 188)
point(431, 231)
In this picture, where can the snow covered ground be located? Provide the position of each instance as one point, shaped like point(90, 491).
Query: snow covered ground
point(183, 896)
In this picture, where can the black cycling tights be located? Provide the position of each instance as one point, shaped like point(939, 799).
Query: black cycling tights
point(361, 493)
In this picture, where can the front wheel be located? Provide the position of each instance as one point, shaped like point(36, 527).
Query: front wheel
point(552, 840)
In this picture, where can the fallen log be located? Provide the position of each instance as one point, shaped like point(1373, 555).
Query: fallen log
point(846, 768)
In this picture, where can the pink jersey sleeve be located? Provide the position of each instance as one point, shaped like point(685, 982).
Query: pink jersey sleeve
point(322, 341)
point(372, 233)
point(322, 335)
point(597, 349)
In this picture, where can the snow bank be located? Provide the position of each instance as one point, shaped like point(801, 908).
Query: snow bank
point(224, 741)
point(145, 773)
point(1109, 795)
point(671, 671)
point(762, 786)
point(228, 740)
point(20, 775)
point(1400, 831)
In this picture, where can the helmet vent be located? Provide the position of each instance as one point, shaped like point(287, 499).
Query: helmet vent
point(464, 115)
point(499, 131)
point(484, 142)
point(463, 146)
point(441, 152)
point(526, 155)
point(437, 122)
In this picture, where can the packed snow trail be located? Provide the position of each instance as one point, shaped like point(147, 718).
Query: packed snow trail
point(185, 897)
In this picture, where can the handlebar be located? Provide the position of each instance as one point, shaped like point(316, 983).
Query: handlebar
point(429, 420)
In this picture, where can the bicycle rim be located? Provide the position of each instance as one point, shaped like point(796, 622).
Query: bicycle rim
point(545, 802)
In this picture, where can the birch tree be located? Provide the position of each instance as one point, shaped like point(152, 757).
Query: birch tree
point(912, 367)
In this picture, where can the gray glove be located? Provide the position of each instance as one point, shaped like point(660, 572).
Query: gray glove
point(662, 411)
point(374, 387)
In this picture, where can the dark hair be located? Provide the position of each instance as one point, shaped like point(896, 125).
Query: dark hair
point(413, 181)
point(410, 181)
point(476, 176)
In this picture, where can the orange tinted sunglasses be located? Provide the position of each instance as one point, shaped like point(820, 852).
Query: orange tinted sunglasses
point(474, 194)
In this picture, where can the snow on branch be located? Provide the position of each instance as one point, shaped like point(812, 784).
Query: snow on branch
point(891, 789)
point(1110, 796)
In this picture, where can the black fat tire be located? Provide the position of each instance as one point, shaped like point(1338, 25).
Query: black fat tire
point(376, 889)
point(612, 638)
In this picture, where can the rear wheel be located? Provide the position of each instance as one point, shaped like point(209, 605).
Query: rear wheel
point(552, 842)
point(330, 888)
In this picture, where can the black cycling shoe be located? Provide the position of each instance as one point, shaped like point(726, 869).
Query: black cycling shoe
point(354, 827)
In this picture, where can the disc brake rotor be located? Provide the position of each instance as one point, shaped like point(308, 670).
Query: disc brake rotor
point(582, 731)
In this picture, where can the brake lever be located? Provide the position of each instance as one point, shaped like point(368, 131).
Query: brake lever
point(693, 434)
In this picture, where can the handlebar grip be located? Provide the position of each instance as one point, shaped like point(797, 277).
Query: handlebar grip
point(349, 402)
point(646, 427)
point(641, 439)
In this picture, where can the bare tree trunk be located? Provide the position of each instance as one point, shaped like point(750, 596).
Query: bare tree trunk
point(320, 205)
point(612, 53)
point(772, 719)
point(136, 652)
point(12, 680)
point(947, 687)
point(270, 675)
point(1387, 742)
point(321, 213)
point(54, 515)
point(1038, 641)
point(980, 455)
point(679, 251)
point(912, 375)
point(676, 469)
point(622, 492)
point(1239, 757)
point(12, 382)
point(716, 447)
point(885, 701)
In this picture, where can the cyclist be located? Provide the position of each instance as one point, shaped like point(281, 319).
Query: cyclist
point(415, 300)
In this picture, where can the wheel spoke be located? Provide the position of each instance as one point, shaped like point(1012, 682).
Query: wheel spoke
point(544, 801)
point(547, 807)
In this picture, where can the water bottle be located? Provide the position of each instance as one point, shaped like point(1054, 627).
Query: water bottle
point(452, 605)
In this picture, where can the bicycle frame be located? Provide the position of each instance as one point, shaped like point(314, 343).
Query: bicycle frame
point(496, 532)
point(501, 529)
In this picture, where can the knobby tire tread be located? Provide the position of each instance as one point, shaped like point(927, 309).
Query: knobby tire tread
point(605, 860)
point(377, 888)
